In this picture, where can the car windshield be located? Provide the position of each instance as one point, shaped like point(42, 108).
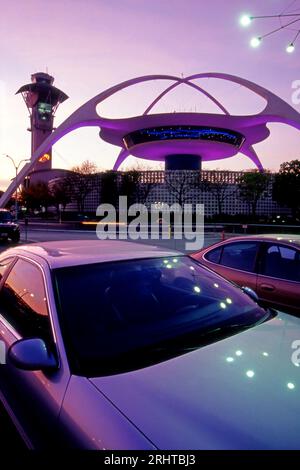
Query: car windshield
point(121, 316)
point(5, 216)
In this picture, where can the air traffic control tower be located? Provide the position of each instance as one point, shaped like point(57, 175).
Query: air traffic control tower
point(42, 100)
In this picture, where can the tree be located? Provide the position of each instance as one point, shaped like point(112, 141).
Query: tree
point(129, 186)
point(182, 183)
point(134, 185)
point(87, 168)
point(37, 195)
point(286, 187)
point(11, 202)
point(129, 183)
point(80, 183)
point(109, 190)
point(143, 191)
point(252, 185)
point(219, 189)
point(59, 195)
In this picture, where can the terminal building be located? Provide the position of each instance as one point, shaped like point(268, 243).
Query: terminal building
point(156, 189)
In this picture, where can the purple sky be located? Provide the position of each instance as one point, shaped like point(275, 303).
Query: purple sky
point(89, 45)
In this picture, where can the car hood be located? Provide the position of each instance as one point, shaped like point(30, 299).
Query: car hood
point(239, 393)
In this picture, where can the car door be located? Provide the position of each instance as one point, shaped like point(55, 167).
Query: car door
point(278, 281)
point(34, 397)
point(5, 264)
point(235, 261)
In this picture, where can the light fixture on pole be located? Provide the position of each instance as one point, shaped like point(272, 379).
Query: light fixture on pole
point(246, 20)
point(16, 169)
point(255, 42)
point(290, 48)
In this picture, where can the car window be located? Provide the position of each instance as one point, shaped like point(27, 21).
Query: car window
point(240, 255)
point(4, 264)
point(124, 315)
point(281, 262)
point(23, 301)
point(5, 217)
point(214, 255)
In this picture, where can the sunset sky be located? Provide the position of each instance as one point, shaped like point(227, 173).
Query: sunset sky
point(90, 45)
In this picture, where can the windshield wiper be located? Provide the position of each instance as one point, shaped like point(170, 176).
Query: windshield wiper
point(196, 339)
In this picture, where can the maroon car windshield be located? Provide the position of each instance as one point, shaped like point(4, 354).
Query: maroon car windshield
point(125, 315)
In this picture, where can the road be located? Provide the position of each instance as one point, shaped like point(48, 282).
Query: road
point(41, 235)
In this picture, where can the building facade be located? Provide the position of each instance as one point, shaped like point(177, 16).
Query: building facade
point(216, 190)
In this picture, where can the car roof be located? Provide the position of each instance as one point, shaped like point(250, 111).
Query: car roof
point(290, 239)
point(60, 254)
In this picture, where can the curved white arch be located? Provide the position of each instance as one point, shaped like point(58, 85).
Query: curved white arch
point(120, 159)
point(84, 116)
point(186, 81)
point(124, 152)
point(250, 153)
point(276, 110)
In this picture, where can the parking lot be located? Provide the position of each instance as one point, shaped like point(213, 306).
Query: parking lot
point(8, 435)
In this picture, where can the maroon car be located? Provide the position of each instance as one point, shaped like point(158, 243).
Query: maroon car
point(269, 264)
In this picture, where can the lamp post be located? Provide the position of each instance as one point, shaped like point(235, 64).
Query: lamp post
point(17, 169)
point(292, 18)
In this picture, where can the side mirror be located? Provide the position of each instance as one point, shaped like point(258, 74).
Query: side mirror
point(251, 293)
point(31, 354)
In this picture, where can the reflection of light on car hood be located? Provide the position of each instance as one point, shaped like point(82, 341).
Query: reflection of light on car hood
point(203, 401)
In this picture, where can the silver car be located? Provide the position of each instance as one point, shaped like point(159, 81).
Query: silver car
point(114, 345)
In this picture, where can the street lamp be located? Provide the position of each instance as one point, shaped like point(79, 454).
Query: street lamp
point(293, 18)
point(290, 48)
point(17, 169)
point(245, 20)
point(255, 42)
